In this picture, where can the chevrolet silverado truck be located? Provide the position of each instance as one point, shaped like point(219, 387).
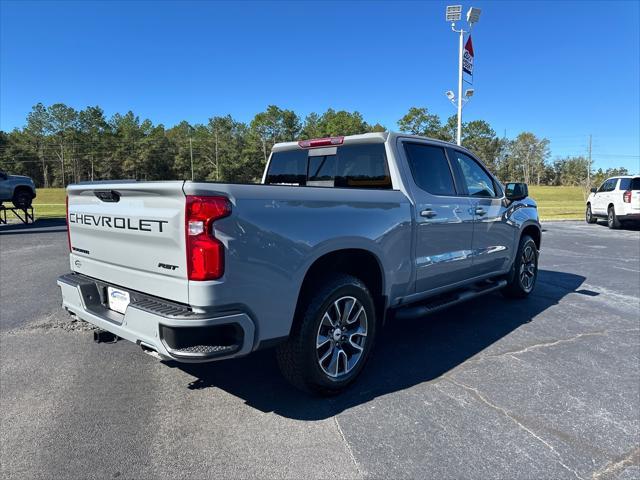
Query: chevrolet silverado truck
point(343, 234)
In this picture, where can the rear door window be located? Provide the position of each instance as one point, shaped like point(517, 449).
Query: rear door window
point(430, 168)
point(352, 166)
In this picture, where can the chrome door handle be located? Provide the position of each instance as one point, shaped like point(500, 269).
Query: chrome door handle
point(428, 213)
point(480, 211)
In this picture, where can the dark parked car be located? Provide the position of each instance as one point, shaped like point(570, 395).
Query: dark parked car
point(18, 189)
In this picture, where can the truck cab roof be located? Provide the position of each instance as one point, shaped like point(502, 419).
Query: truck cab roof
point(372, 137)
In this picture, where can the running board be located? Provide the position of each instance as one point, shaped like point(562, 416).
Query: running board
point(448, 300)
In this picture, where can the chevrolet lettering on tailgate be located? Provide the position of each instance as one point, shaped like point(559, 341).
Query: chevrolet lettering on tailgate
point(145, 225)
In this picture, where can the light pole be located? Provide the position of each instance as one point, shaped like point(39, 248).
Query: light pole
point(453, 14)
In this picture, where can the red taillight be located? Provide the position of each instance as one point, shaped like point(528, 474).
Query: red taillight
point(626, 196)
point(205, 253)
point(68, 232)
point(321, 142)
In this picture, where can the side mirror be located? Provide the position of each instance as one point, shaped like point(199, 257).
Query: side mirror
point(593, 190)
point(516, 191)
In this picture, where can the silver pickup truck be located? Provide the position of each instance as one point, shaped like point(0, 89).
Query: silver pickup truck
point(343, 234)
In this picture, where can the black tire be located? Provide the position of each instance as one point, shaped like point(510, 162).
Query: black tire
point(22, 199)
point(588, 216)
point(612, 219)
point(518, 287)
point(299, 357)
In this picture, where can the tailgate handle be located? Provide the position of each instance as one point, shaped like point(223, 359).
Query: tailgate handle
point(107, 195)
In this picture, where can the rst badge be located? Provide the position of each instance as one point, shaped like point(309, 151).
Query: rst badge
point(166, 266)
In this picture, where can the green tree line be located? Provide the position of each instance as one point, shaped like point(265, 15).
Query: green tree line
point(59, 145)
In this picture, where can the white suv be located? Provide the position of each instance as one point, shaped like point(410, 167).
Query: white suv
point(617, 200)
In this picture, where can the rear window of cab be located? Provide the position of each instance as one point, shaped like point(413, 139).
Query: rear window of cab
point(352, 166)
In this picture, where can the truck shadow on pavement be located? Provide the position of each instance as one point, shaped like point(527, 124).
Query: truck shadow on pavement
point(408, 352)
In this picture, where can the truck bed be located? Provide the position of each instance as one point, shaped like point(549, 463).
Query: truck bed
point(270, 238)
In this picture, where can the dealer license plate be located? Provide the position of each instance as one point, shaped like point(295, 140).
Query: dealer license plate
point(118, 299)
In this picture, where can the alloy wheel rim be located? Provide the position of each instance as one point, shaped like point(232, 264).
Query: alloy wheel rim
point(341, 337)
point(528, 268)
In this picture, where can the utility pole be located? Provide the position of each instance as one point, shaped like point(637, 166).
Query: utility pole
point(217, 164)
point(191, 155)
point(504, 156)
point(62, 163)
point(589, 164)
point(45, 180)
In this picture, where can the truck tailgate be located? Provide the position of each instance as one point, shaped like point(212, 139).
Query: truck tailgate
point(130, 234)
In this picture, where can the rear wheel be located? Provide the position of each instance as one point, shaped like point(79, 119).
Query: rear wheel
point(524, 274)
point(588, 216)
point(331, 340)
point(612, 219)
point(22, 199)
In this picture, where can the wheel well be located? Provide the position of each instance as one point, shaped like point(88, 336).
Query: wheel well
point(362, 264)
point(610, 205)
point(22, 188)
point(533, 232)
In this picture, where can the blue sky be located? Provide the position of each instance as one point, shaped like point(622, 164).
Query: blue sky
point(562, 70)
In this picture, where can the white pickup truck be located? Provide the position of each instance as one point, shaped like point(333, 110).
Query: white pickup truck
point(343, 234)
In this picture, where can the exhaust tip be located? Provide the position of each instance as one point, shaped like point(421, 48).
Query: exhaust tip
point(149, 350)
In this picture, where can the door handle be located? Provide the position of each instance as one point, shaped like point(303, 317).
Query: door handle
point(428, 213)
point(480, 211)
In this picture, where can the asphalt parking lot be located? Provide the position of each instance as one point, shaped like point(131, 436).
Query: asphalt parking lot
point(543, 388)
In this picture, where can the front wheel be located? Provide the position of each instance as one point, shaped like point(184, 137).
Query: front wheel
point(331, 340)
point(588, 216)
point(525, 270)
